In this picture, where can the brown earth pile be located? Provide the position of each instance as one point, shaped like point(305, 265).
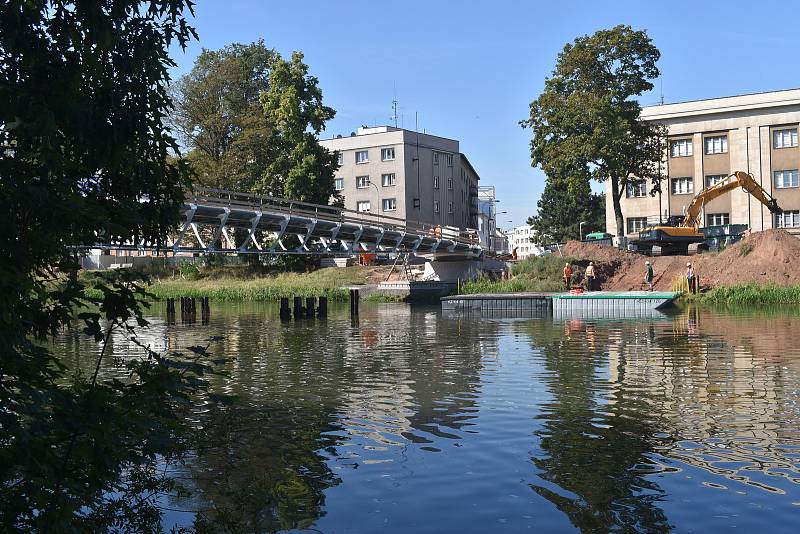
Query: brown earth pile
point(763, 257)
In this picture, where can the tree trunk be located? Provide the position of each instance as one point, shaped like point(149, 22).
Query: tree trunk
point(615, 198)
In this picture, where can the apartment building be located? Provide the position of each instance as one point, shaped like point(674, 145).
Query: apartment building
point(410, 175)
point(709, 139)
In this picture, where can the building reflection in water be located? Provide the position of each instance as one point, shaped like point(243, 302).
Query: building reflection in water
point(700, 390)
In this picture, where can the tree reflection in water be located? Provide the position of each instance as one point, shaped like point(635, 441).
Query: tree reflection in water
point(595, 451)
point(261, 469)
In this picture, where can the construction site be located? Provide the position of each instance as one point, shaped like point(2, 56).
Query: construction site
point(770, 256)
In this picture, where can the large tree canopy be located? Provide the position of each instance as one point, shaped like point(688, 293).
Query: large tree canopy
point(84, 154)
point(250, 121)
point(218, 115)
point(586, 123)
point(299, 167)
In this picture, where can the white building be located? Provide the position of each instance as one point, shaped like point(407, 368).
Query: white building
point(519, 238)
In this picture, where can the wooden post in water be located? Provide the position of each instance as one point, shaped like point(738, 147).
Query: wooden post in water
point(354, 302)
point(298, 308)
point(322, 311)
point(310, 307)
point(286, 313)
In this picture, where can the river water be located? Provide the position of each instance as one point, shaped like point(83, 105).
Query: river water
point(411, 420)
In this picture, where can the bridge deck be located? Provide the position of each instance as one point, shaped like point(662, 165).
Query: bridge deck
point(264, 224)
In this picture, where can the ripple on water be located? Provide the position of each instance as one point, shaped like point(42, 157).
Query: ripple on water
point(410, 420)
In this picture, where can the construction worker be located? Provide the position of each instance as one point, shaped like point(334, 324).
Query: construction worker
point(590, 276)
point(648, 277)
point(690, 278)
point(567, 276)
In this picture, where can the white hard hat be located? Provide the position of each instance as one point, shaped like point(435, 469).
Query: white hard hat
point(647, 263)
point(688, 264)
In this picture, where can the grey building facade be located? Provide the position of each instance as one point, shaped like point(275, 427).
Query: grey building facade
point(410, 175)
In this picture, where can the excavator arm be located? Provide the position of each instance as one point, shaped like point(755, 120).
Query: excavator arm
point(731, 182)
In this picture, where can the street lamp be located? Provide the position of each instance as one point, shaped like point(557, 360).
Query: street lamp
point(580, 230)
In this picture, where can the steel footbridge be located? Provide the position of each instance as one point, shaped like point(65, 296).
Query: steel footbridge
point(216, 221)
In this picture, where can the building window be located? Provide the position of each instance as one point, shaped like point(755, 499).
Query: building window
point(435, 206)
point(784, 138)
point(435, 158)
point(636, 224)
point(389, 204)
point(680, 148)
point(449, 207)
point(713, 179)
point(340, 158)
point(718, 219)
point(362, 182)
point(362, 156)
point(463, 175)
point(785, 179)
point(717, 144)
point(387, 154)
point(338, 184)
point(636, 189)
point(363, 206)
point(436, 182)
point(682, 186)
point(450, 184)
point(788, 219)
point(449, 158)
point(388, 180)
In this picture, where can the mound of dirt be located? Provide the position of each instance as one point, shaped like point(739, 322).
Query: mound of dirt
point(597, 253)
point(763, 257)
point(768, 256)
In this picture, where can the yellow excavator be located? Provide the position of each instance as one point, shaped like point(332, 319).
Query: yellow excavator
point(682, 235)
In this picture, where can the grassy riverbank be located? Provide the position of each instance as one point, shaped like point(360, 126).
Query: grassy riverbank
point(241, 285)
point(751, 294)
point(531, 274)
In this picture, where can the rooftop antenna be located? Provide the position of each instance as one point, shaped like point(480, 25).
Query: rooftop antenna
point(661, 83)
point(394, 112)
point(394, 106)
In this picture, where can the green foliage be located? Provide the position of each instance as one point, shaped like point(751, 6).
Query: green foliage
point(85, 153)
point(219, 118)
point(586, 122)
point(535, 274)
point(251, 121)
point(253, 290)
point(550, 267)
point(752, 294)
point(384, 297)
point(519, 284)
point(299, 167)
point(745, 249)
point(236, 284)
point(561, 210)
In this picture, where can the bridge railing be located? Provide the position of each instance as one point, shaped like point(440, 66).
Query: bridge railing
point(234, 199)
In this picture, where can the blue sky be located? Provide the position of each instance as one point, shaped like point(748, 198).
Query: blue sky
point(470, 68)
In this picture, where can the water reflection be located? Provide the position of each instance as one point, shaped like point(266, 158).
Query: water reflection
point(596, 453)
point(410, 420)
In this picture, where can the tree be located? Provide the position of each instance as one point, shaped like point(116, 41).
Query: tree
point(299, 167)
point(218, 115)
point(586, 123)
point(84, 154)
point(561, 211)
